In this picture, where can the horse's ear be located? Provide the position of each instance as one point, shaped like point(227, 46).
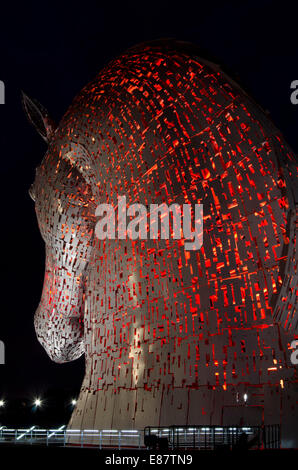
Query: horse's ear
point(39, 117)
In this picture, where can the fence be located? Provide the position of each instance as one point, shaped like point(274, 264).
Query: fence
point(66, 437)
point(213, 437)
point(173, 437)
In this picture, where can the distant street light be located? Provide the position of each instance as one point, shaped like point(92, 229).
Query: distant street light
point(73, 402)
point(2, 403)
point(37, 402)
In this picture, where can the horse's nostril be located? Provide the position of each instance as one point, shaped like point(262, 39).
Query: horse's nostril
point(31, 192)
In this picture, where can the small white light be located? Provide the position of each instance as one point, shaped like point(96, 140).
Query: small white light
point(37, 402)
point(73, 402)
point(245, 397)
point(2, 403)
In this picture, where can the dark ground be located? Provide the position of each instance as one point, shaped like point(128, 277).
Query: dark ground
point(99, 458)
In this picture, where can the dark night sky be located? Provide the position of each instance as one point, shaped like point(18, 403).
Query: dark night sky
point(50, 51)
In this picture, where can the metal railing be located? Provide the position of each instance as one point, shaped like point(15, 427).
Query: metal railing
point(119, 439)
point(212, 437)
point(173, 437)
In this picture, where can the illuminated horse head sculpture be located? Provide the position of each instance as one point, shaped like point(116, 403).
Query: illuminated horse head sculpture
point(170, 335)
